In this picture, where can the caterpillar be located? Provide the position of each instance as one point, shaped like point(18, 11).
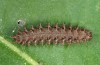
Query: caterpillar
point(56, 34)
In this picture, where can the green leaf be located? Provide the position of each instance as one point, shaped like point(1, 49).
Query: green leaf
point(84, 13)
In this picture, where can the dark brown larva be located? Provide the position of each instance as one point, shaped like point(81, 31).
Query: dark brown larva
point(53, 35)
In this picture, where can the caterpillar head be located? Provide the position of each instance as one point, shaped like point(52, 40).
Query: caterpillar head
point(88, 35)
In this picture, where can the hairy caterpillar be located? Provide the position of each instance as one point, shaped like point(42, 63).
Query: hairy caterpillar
point(54, 35)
